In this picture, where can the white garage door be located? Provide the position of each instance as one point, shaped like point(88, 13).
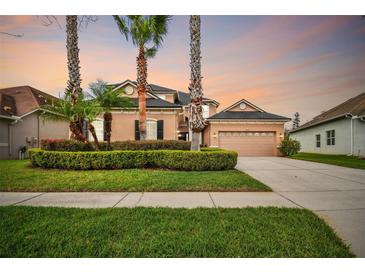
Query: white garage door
point(248, 143)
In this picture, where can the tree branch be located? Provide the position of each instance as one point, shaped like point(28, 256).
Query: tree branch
point(11, 34)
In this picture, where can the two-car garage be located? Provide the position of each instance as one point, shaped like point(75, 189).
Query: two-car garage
point(247, 129)
point(249, 143)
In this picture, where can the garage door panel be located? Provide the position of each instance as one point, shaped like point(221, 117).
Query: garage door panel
point(249, 143)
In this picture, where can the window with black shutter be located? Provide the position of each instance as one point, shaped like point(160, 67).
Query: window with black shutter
point(160, 130)
point(136, 130)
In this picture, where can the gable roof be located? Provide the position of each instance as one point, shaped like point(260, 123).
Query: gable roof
point(183, 98)
point(23, 100)
point(259, 114)
point(246, 102)
point(154, 103)
point(246, 115)
point(355, 106)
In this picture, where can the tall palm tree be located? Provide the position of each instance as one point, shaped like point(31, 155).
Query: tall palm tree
point(107, 98)
point(66, 110)
point(73, 65)
point(73, 61)
point(147, 33)
point(196, 120)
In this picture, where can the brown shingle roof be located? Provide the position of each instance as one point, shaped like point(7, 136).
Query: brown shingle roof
point(26, 99)
point(354, 106)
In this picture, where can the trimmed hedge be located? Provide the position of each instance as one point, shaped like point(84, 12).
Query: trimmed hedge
point(73, 145)
point(169, 159)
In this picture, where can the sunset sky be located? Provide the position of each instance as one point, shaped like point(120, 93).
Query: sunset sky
point(283, 64)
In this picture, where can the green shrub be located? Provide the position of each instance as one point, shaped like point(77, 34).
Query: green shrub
point(151, 145)
point(72, 145)
point(65, 145)
point(289, 146)
point(118, 159)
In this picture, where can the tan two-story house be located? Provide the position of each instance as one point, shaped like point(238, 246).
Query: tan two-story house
point(243, 126)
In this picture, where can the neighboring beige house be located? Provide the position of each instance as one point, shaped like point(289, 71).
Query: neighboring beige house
point(20, 124)
point(243, 126)
point(340, 130)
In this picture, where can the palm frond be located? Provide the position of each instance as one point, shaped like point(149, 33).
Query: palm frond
point(122, 25)
point(150, 52)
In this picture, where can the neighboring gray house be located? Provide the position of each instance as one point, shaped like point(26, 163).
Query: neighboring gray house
point(340, 130)
point(20, 124)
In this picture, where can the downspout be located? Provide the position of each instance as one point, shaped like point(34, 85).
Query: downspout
point(352, 118)
point(9, 140)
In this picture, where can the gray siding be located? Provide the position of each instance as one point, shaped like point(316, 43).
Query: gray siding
point(307, 138)
point(4, 139)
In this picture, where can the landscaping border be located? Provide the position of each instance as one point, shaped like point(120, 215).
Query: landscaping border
point(124, 159)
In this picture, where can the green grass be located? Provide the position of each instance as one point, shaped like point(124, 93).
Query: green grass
point(166, 232)
point(18, 175)
point(338, 160)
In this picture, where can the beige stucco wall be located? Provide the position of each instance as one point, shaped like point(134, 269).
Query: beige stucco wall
point(212, 109)
point(33, 128)
point(215, 127)
point(123, 124)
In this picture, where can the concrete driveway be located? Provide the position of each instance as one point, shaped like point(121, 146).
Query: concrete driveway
point(337, 194)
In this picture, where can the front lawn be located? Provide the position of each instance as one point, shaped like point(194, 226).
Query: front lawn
point(338, 160)
point(18, 175)
point(166, 232)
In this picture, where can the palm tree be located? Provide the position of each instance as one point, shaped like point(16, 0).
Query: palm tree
point(66, 110)
point(73, 65)
point(73, 61)
point(107, 98)
point(196, 120)
point(147, 33)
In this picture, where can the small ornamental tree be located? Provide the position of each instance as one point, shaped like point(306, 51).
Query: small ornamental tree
point(107, 98)
point(289, 146)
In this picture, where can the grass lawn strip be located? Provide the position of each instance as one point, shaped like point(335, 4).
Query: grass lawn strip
point(166, 232)
point(338, 160)
point(18, 175)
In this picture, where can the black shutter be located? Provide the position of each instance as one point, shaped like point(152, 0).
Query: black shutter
point(160, 130)
point(85, 129)
point(136, 130)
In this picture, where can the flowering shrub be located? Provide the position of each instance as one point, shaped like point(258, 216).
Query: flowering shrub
point(289, 146)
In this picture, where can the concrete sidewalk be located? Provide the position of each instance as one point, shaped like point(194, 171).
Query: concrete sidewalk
point(147, 199)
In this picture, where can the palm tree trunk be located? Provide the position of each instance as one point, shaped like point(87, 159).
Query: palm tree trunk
point(73, 65)
point(76, 132)
point(93, 133)
point(73, 61)
point(108, 126)
point(141, 88)
point(196, 120)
